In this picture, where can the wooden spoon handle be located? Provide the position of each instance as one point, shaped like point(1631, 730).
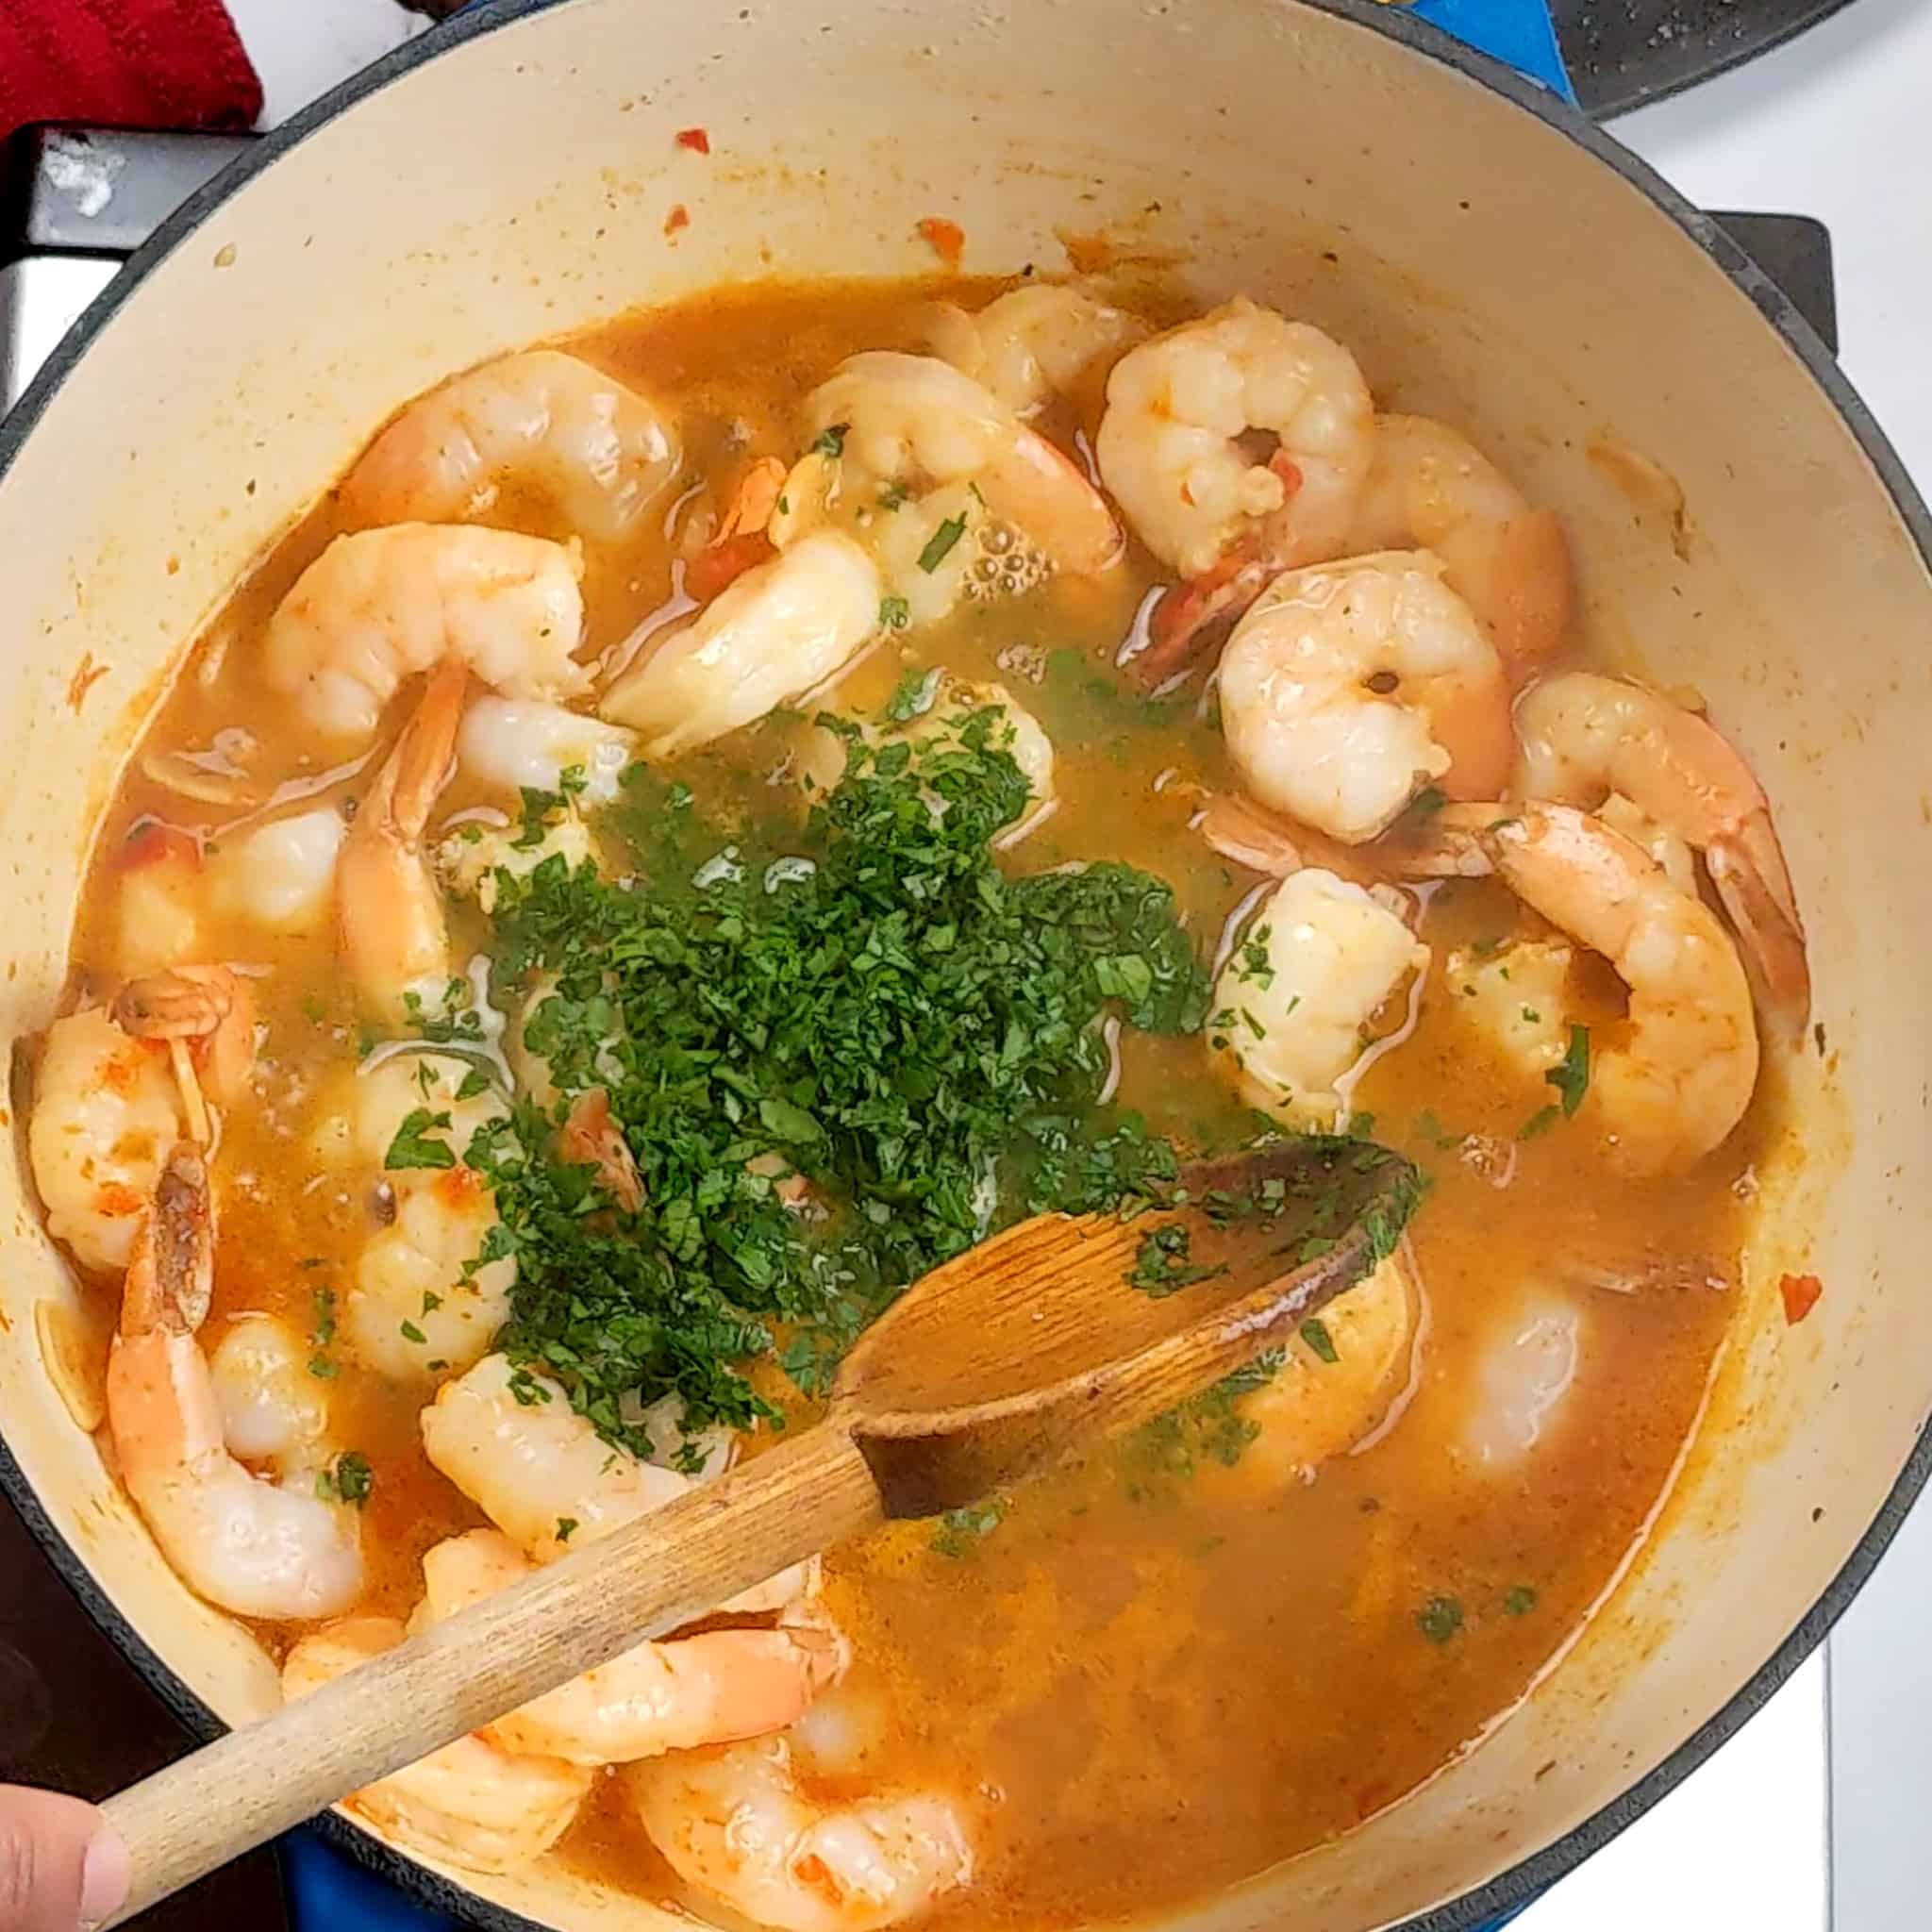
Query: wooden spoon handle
point(656, 1573)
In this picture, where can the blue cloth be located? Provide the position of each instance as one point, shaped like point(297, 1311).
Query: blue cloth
point(1518, 33)
point(329, 1893)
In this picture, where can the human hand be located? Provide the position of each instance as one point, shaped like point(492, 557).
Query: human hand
point(61, 1866)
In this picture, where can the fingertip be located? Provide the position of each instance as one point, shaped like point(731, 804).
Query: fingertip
point(105, 1872)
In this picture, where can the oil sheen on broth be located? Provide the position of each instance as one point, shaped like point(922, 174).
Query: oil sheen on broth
point(1195, 1638)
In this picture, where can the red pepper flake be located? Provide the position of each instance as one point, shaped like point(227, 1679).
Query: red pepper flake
point(696, 139)
point(87, 673)
point(1800, 1292)
point(678, 218)
point(946, 239)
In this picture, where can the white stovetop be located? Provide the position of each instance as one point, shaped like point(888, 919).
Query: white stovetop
point(1794, 1825)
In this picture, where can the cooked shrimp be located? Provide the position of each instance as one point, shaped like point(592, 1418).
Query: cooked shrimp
point(1524, 1378)
point(532, 1464)
point(777, 633)
point(1348, 687)
point(916, 421)
point(162, 884)
point(468, 861)
point(106, 1110)
point(414, 1310)
point(381, 605)
point(1032, 342)
point(735, 1826)
point(1320, 1403)
point(713, 1688)
point(384, 1095)
point(517, 744)
point(528, 1465)
point(597, 449)
point(1174, 450)
point(1586, 738)
point(472, 1803)
point(1516, 995)
point(953, 702)
point(281, 876)
point(389, 913)
point(244, 1544)
point(1682, 1074)
point(1293, 1005)
point(272, 1408)
point(1430, 489)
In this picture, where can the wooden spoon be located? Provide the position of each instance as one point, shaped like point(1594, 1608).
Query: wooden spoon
point(997, 1365)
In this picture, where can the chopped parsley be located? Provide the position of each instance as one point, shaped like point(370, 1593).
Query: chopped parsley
point(1162, 1263)
point(893, 496)
point(413, 1146)
point(1439, 1618)
point(412, 1333)
point(913, 1030)
point(939, 544)
point(830, 443)
point(894, 613)
point(347, 1479)
point(566, 1528)
point(916, 690)
point(1315, 1333)
point(1519, 1601)
point(1209, 1426)
point(959, 1532)
point(321, 1364)
point(1571, 1078)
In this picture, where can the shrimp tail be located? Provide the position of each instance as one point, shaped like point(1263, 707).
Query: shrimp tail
point(743, 540)
point(1193, 618)
point(390, 918)
point(210, 1008)
point(412, 779)
point(590, 1137)
point(1240, 830)
point(1747, 867)
point(171, 1272)
point(1457, 843)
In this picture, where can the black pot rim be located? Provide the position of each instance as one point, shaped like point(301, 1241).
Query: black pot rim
point(1511, 1889)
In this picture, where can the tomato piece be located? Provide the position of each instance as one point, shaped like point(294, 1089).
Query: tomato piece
point(1800, 1293)
point(946, 239)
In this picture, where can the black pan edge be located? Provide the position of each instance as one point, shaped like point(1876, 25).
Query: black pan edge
point(1712, 42)
point(1515, 1887)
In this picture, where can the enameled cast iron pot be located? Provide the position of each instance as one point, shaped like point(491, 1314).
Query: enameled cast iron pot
point(1489, 255)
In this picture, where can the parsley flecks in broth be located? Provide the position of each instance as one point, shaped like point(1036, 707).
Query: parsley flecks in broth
point(878, 1009)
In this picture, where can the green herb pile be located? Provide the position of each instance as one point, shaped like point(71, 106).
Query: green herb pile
point(873, 1005)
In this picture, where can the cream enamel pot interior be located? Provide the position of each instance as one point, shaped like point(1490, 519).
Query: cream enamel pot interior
point(1489, 257)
